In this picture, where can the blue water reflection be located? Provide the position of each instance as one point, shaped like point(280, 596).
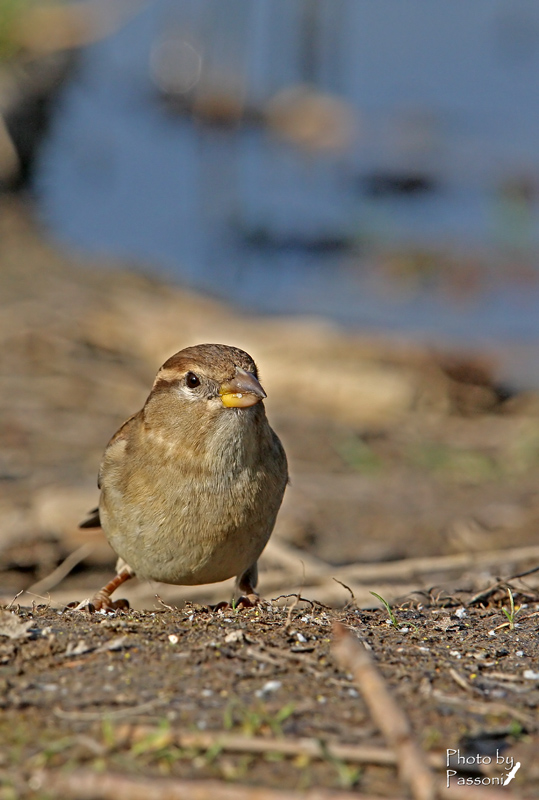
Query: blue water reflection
point(244, 214)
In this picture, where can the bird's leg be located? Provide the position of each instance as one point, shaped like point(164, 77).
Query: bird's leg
point(246, 583)
point(102, 599)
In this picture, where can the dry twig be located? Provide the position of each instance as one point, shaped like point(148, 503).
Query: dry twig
point(408, 568)
point(413, 763)
point(461, 681)
point(11, 602)
point(484, 594)
point(500, 584)
point(486, 708)
point(128, 711)
point(86, 785)
point(316, 570)
point(62, 570)
point(234, 743)
point(414, 770)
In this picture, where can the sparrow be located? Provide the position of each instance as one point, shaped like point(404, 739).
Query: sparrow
point(191, 484)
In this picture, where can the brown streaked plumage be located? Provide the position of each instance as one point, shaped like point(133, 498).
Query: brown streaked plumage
point(191, 484)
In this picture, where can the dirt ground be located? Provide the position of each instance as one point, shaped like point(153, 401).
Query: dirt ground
point(414, 475)
point(117, 693)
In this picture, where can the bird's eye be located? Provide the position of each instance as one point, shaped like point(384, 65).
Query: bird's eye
point(192, 380)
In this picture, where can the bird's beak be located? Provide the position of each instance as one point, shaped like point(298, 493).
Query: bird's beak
point(242, 391)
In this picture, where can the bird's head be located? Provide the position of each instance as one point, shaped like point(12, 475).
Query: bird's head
point(204, 381)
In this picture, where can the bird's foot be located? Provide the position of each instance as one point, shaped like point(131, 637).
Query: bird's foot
point(100, 602)
point(103, 602)
point(250, 600)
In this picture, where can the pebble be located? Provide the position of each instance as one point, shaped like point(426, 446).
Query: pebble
point(268, 688)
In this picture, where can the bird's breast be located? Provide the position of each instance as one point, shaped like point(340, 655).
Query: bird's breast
point(191, 522)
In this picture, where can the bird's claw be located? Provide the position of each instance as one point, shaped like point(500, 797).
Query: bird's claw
point(250, 600)
point(100, 602)
point(122, 604)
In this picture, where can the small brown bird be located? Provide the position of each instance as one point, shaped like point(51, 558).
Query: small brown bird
point(191, 484)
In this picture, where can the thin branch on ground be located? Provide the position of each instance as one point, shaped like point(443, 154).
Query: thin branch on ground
point(294, 604)
point(409, 568)
point(10, 604)
point(523, 574)
point(487, 709)
point(165, 605)
point(484, 594)
point(414, 770)
point(62, 570)
point(235, 743)
point(86, 785)
point(129, 711)
point(316, 570)
point(352, 600)
point(461, 681)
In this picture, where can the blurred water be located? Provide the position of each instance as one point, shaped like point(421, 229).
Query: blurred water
point(248, 217)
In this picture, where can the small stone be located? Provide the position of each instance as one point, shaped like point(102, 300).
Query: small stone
point(234, 636)
point(268, 688)
point(78, 649)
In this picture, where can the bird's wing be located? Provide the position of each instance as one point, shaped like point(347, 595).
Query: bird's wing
point(117, 444)
point(92, 520)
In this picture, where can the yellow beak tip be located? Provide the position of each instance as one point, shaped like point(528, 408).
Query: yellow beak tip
point(239, 399)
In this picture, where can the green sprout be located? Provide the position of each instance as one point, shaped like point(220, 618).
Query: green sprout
point(348, 776)
point(512, 612)
point(391, 615)
point(254, 721)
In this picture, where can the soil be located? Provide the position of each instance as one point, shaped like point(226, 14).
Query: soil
point(434, 460)
point(115, 692)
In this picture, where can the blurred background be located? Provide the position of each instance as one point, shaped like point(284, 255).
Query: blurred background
point(346, 188)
